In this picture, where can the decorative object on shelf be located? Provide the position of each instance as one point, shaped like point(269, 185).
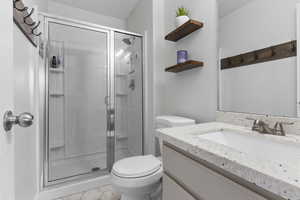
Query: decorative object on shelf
point(132, 84)
point(280, 51)
point(57, 54)
point(54, 62)
point(182, 16)
point(184, 30)
point(182, 56)
point(191, 64)
point(23, 19)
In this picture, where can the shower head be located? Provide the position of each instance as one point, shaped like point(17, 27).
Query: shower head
point(127, 41)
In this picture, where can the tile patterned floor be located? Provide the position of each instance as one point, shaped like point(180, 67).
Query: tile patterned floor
point(103, 193)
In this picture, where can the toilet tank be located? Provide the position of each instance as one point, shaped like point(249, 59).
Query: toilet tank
point(170, 121)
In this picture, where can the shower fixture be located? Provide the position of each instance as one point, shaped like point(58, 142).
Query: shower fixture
point(129, 41)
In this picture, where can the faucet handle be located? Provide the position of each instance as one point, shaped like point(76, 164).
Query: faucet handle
point(278, 128)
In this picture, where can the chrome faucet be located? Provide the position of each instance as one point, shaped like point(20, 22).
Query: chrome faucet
point(263, 128)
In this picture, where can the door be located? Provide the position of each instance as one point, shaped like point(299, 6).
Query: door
point(6, 100)
point(18, 146)
point(78, 102)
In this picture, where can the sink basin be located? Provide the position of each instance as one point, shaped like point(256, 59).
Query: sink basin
point(260, 147)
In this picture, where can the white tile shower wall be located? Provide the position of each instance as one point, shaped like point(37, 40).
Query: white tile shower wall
point(241, 120)
point(102, 193)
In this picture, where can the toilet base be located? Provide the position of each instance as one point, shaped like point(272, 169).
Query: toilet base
point(156, 195)
point(135, 198)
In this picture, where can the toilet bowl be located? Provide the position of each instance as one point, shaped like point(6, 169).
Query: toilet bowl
point(139, 177)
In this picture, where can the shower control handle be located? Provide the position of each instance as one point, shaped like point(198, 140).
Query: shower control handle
point(23, 120)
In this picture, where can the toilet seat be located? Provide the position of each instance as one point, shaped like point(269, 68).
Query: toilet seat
point(137, 172)
point(136, 167)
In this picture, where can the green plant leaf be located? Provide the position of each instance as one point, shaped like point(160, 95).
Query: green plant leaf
point(182, 11)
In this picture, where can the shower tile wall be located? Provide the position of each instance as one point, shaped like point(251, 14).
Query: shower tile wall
point(128, 67)
point(122, 117)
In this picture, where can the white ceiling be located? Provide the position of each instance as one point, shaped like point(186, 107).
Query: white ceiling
point(115, 8)
point(228, 6)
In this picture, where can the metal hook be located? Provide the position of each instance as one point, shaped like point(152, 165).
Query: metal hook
point(19, 9)
point(29, 14)
point(294, 47)
point(37, 35)
point(25, 21)
point(35, 27)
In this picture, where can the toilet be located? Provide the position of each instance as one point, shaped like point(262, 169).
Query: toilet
point(139, 177)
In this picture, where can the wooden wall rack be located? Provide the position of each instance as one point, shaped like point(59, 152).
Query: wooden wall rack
point(23, 19)
point(285, 50)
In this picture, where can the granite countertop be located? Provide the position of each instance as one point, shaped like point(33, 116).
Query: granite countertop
point(282, 179)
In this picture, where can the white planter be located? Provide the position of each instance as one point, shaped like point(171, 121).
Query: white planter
point(181, 20)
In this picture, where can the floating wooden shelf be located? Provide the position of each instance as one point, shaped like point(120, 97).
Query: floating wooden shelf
point(191, 64)
point(184, 30)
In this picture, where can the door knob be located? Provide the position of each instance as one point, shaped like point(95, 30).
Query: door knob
point(23, 120)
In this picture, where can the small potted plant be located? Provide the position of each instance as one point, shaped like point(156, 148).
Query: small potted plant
point(182, 16)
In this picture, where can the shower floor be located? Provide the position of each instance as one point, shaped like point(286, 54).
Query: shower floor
point(83, 165)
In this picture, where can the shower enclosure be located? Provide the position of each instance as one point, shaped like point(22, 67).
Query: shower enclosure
point(93, 108)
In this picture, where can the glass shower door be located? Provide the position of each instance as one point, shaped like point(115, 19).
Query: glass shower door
point(78, 85)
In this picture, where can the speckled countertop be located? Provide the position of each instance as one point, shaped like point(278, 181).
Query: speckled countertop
point(282, 179)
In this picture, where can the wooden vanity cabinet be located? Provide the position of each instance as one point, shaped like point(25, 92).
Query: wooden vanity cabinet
point(188, 179)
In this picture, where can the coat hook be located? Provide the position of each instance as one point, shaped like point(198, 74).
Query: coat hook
point(19, 9)
point(35, 27)
point(241, 59)
point(29, 14)
point(229, 61)
point(255, 56)
point(29, 24)
point(294, 47)
point(273, 52)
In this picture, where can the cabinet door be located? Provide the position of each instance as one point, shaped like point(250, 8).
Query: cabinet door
point(202, 181)
point(172, 191)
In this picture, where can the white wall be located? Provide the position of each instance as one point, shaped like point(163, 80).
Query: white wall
point(191, 93)
point(141, 21)
point(80, 14)
point(6, 101)
point(265, 88)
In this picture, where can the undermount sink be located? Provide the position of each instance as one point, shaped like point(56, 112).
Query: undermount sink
point(260, 147)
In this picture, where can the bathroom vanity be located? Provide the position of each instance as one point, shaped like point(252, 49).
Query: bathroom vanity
point(221, 161)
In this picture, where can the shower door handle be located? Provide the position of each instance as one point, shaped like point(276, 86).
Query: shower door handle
point(111, 119)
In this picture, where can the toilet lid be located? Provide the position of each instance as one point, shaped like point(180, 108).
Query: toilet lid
point(135, 167)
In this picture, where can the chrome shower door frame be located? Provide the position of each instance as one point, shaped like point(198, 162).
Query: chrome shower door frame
point(43, 96)
point(45, 108)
